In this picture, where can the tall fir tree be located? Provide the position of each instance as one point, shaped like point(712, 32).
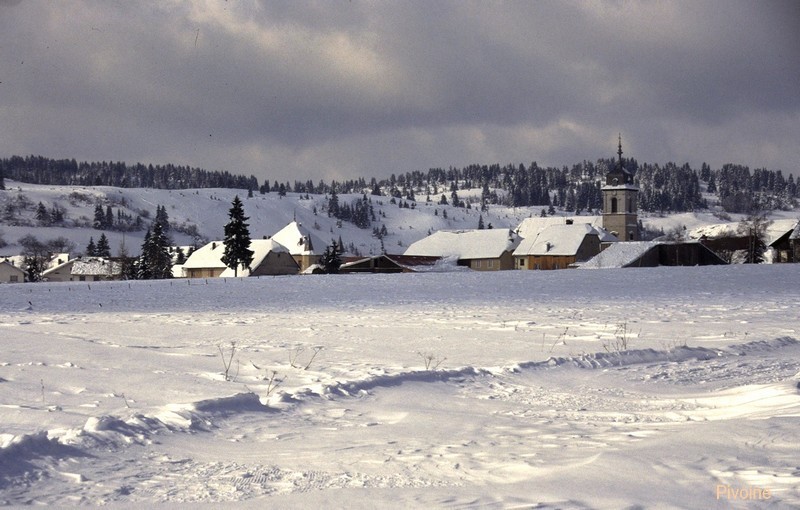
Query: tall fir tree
point(237, 238)
point(331, 259)
point(91, 249)
point(103, 249)
point(155, 262)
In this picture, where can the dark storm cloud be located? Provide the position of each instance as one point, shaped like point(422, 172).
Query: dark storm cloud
point(313, 90)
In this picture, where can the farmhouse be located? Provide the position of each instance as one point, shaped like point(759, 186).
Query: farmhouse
point(9, 273)
point(559, 246)
point(269, 258)
point(481, 250)
point(306, 248)
point(61, 272)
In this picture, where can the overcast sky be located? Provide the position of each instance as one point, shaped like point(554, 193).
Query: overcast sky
point(335, 89)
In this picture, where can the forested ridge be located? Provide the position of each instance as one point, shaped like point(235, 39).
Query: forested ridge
point(663, 188)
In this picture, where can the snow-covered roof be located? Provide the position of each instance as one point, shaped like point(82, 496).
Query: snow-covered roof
point(796, 232)
point(207, 256)
point(299, 240)
point(56, 268)
point(15, 260)
point(96, 266)
point(261, 248)
point(714, 231)
point(210, 256)
point(778, 228)
point(466, 244)
point(619, 254)
point(530, 227)
point(557, 240)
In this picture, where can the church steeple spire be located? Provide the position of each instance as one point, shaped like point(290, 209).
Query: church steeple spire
point(619, 200)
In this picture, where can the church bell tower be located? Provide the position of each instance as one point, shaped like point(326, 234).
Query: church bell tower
point(619, 202)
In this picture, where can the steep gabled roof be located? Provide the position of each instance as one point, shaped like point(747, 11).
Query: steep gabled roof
point(299, 240)
point(530, 227)
point(261, 248)
point(562, 240)
point(206, 257)
point(466, 244)
point(210, 255)
point(9, 264)
point(58, 267)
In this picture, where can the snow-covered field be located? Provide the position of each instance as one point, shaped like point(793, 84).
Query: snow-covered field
point(633, 388)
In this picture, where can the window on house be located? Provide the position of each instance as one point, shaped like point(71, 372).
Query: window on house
point(614, 204)
point(14, 278)
point(490, 264)
point(477, 263)
point(81, 278)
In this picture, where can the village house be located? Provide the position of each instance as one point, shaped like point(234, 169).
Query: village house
point(560, 246)
point(269, 258)
point(61, 272)
point(306, 248)
point(480, 250)
point(9, 273)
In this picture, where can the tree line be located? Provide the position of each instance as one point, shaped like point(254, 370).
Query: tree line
point(663, 188)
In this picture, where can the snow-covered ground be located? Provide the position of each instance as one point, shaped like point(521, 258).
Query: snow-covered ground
point(633, 388)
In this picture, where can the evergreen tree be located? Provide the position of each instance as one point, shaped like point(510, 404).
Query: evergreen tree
point(155, 261)
point(42, 215)
point(180, 257)
point(91, 249)
point(481, 226)
point(109, 221)
point(143, 263)
point(237, 239)
point(99, 217)
point(162, 218)
point(331, 258)
point(103, 249)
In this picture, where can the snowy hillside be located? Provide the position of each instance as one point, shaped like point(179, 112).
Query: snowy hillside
point(655, 388)
point(199, 215)
point(207, 211)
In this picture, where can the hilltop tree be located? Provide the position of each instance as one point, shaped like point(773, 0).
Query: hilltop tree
point(237, 238)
